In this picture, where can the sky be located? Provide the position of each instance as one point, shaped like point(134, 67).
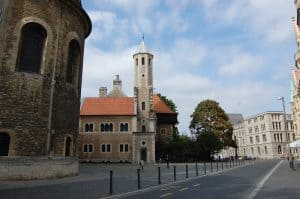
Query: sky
point(239, 53)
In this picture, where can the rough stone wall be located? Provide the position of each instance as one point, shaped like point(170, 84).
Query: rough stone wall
point(25, 99)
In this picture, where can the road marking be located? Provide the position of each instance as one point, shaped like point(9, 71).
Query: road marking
point(165, 195)
point(183, 189)
point(196, 185)
point(263, 181)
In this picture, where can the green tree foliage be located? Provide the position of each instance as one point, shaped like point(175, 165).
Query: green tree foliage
point(169, 102)
point(211, 127)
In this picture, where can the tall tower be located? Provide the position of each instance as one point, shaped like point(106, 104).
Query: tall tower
point(144, 138)
point(41, 57)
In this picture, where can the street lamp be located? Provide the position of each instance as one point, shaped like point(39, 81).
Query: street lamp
point(286, 130)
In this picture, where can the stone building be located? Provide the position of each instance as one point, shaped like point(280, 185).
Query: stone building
point(295, 104)
point(263, 136)
point(117, 128)
point(41, 55)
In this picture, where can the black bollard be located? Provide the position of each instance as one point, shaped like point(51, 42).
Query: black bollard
point(222, 165)
point(211, 167)
point(197, 169)
point(186, 171)
point(139, 178)
point(159, 180)
point(110, 182)
point(174, 173)
point(217, 165)
point(204, 168)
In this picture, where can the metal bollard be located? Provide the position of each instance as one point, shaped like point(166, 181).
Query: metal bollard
point(211, 167)
point(110, 182)
point(139, 178)
point(222, 165)
point(217, 165)
point(159, 180)
point(187, 171)
point(174, 173)
point(197, 169)
point(204, 167)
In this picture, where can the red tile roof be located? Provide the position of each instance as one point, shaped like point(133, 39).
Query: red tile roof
point(118, 106)
point(108, 106)
point(160, 106)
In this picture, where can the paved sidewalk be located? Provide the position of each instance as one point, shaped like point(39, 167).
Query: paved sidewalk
point(100, 172)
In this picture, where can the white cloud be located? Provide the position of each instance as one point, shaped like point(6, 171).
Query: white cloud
point(240, 63)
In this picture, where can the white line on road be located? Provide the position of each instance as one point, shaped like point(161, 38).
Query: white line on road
point(165, 195)
point(183, 189)
point(196, 185)
point(263, 181)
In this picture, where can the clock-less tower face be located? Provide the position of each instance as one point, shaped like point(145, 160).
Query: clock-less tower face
point(143, 80)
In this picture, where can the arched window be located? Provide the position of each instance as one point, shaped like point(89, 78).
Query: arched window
point(4, 144)
point(126, 127)
point(143, 61)
point(258, 150)
point(102, 127)
point(143, 106)
point(106, 127)
point(91, 127)
point(73, 61)
point(86, 127)
point(68, 146)
point(31, 47)
point(252, 151)
point(279, 149)
point(143, 128)
point(111, 126)
point(122, 127)
point(266, 150)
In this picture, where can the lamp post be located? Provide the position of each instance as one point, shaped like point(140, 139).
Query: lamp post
point(286, 130)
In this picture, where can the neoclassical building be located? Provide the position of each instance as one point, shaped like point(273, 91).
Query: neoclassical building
point(263, 136)
point(41, 53)
point(117, 128)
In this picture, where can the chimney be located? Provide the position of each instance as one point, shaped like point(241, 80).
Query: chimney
point(102, 92)
point(117, 83)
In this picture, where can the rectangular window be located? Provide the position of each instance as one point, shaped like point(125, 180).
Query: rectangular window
point(251, 140)
point(264, 137)
point(149, 62)
point(136, 61)
point(126, 148)
point(257, 138)
point(108, 148)
point(163, 131)
point(121, 148)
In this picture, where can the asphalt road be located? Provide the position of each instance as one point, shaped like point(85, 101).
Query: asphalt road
point(265, 179)
point(239, 182)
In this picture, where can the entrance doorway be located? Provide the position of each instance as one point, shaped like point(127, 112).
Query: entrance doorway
point(144, 154)
point(4, 144)
point(68, 146)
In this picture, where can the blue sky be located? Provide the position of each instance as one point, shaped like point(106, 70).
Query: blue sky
point(239, 53)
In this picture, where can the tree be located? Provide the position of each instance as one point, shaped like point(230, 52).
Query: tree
point(211, 127)
point(169, 102)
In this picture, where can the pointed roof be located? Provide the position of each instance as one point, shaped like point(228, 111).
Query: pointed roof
point(142, 48)
point(160, 106)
